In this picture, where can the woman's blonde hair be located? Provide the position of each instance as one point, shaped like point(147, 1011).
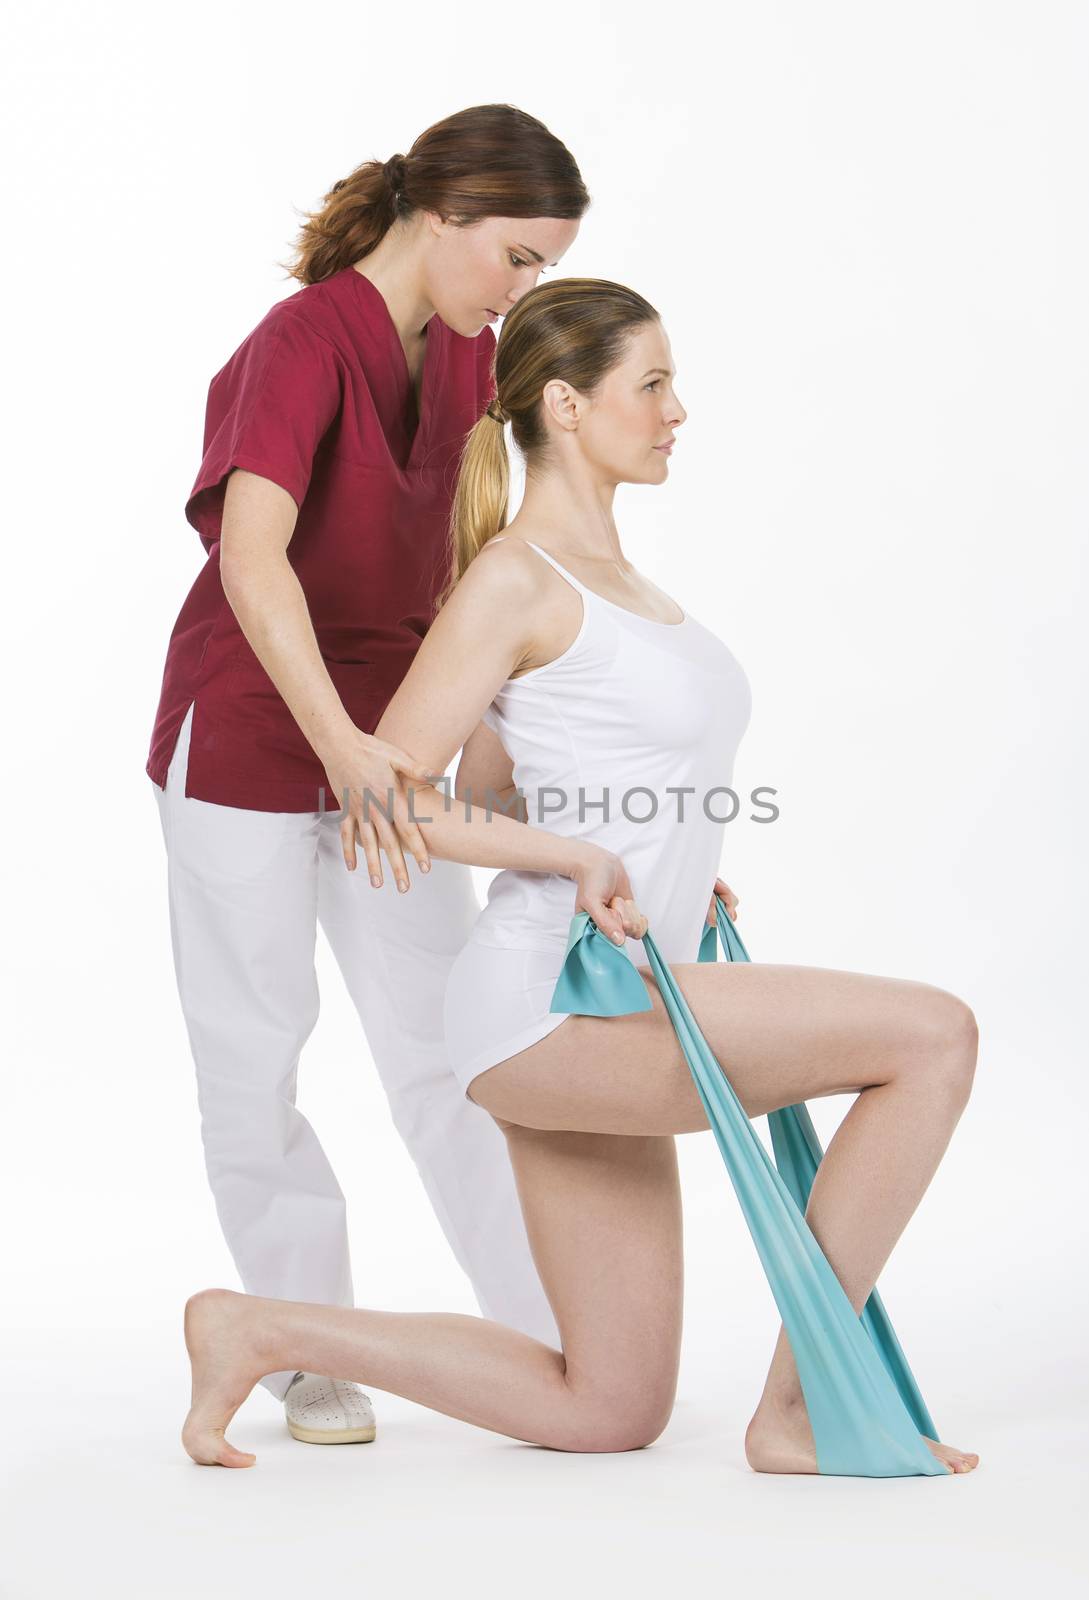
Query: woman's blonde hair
point(485, 161)
point(575, 329)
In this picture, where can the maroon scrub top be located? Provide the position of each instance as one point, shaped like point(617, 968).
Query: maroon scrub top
point(319, 399)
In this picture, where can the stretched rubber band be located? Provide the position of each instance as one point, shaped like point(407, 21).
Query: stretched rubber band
point(864, 1406)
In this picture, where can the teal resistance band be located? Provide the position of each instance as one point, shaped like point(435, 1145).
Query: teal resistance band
point(864, 1406)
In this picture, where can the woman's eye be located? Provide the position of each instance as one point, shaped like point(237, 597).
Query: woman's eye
point(652, 385)
point(516, 261)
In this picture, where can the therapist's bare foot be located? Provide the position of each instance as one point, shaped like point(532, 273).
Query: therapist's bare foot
point(780, 1439)
point(221, 1338)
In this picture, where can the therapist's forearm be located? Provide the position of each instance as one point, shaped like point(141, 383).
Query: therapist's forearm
point(480, 837)
point(271, 608)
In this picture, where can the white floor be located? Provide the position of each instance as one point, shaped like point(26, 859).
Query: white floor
point(102, 1501)
point(110, 1226)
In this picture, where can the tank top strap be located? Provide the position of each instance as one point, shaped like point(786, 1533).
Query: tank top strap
point(563, 572)
point(496, 538)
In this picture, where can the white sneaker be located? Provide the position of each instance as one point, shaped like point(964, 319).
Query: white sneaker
point(328, 1410)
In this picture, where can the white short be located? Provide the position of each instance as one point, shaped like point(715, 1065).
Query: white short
point(496, 1004)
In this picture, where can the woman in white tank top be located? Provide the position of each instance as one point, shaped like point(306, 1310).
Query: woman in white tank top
point(581, 687)
point(618, 741)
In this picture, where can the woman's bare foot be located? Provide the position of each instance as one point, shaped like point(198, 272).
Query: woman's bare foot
point(780, 1439)
point(220, 1337)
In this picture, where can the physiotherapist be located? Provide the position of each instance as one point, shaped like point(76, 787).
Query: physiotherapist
point(331, 446)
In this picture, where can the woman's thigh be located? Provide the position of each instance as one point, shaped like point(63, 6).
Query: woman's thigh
point(603, 1216)
point(782, 1034)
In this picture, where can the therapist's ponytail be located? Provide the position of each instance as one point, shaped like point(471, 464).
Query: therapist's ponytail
point(575, 329)
point(486, 161)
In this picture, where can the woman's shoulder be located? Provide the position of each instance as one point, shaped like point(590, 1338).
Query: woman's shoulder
point(291, 328)
point(309, 312)
point(503, 572)
point(333, 314)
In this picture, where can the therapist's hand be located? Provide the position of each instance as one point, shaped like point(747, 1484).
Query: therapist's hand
point(377, 776)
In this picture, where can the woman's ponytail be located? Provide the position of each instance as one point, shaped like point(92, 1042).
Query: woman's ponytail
point(482, 495)
point(353, 217)
point(486, 161)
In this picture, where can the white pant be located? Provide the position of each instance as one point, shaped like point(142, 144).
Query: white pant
point(247, 889)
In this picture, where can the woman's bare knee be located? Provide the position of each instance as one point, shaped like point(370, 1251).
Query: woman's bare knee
point(632, 1424)
point(962, 1041)
point(945, 1041)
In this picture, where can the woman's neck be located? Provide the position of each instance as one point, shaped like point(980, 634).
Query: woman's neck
point(574, 513)
point(395, 267)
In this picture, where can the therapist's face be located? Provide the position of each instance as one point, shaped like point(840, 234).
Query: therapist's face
point(475, 274)
point(624, 431)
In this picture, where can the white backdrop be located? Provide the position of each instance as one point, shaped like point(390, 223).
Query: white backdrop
point(865, 228)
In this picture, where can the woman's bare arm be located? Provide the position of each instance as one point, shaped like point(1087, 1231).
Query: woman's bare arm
point(485, 774)
point(482, 634)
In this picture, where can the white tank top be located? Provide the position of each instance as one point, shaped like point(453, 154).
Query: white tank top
point(631, 710)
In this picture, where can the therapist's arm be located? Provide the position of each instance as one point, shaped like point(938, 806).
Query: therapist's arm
point(266, 596)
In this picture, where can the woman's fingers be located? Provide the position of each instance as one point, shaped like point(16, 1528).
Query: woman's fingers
point(349, 828)
point(386, 804)
point(730, 900)
point(408, 772)
point(410, 836)
point(353, 825)
point(391, 845)
point(370, 850)
point(603, 893)
point(347, 841)
point(404, 807)
point(372, 836)
point(632, 919)
point(610, 923)
point(376, 830)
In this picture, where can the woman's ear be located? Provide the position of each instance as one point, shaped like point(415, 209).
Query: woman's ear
point(562, 403)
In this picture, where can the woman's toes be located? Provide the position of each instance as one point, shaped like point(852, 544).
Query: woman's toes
point(956, 1460)
point(209, 1448)
point(228, 1456)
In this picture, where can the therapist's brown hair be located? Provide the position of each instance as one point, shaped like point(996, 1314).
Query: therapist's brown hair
point(576, 329)
point(486, 161)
